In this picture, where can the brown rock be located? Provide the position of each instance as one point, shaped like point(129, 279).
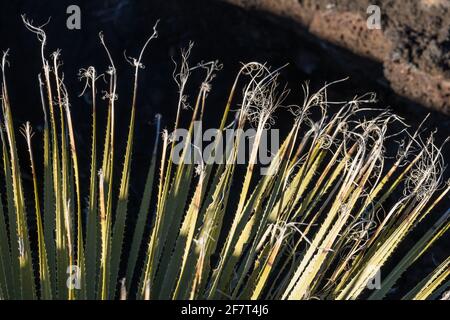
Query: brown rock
point(409, 81)
point(349, 30)
point(416, 32)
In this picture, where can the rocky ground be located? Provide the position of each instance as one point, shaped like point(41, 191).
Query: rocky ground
point(413, 43)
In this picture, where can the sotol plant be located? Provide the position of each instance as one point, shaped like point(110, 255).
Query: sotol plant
point(330, 214)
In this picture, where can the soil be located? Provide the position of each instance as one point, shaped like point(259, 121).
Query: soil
point(413, 43)
point(232, 35)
